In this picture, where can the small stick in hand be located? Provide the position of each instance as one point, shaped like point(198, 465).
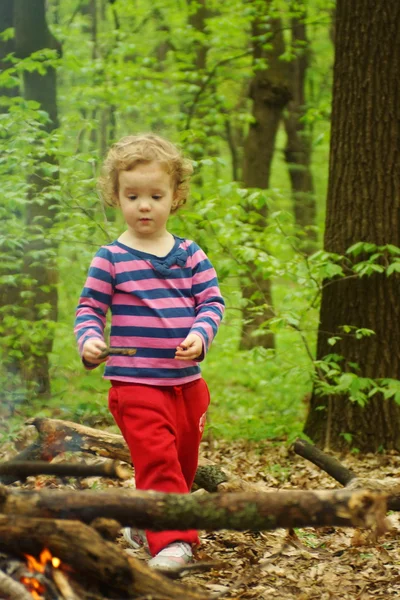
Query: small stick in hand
point(124, 351)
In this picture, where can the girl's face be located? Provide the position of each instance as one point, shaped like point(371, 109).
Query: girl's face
point(146, 195)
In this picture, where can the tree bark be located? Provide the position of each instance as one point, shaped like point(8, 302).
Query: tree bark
point(95, 560)
point(269, 94)
point(211, 512)
point(298, 145)
point(363, 205)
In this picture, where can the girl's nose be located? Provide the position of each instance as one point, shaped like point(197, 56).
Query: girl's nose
point(144, 205)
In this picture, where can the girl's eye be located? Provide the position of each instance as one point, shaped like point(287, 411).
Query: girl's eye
point(157, 197)
point(132, 197)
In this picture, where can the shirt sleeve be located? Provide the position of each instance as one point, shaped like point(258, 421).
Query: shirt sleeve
point(95, 300)
point(210, 305)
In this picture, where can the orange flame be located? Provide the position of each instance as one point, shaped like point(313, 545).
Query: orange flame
point(38, 566)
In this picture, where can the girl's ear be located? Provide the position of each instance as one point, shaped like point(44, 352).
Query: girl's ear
point(175, 201)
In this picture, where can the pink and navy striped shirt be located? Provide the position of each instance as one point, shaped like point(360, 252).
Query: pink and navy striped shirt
point(155, 303)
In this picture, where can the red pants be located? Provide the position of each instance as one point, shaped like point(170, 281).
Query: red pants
point(163, 427)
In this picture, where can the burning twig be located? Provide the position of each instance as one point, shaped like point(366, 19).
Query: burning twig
point(111, 469)
point(12, 589)
point(63, 585)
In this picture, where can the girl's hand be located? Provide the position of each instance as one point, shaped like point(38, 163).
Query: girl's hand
point(190, 348)
point(92, 349)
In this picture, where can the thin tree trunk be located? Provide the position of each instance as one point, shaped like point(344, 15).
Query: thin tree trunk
point(194, 107)
point(56, 12)
point(10, 267)
point(298, 145)
point(363, 205)
point(31, 35)
point(269, 94)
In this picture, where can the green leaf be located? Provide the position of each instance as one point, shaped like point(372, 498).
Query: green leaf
point(394, 267)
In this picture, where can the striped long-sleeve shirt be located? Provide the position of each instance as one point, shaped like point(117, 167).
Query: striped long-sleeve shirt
point(155, 303)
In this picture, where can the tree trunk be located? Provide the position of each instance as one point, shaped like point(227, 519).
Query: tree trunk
point(298, 145)
point(363, 205)
point(198, 13)
point(269, 94)
point(237, 511)
point(196, 106)
point(31, 35)
point(11, 263)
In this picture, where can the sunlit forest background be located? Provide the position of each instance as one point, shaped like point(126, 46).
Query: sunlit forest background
point(233, 84)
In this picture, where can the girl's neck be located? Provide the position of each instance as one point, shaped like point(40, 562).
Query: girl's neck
point(159, 246)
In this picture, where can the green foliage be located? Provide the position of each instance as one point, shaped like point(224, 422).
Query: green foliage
point(142, 75)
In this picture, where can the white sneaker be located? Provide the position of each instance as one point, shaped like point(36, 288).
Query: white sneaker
point(172, 557)
point(136, 538)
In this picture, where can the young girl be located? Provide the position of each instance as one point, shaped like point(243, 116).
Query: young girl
point(166, 307)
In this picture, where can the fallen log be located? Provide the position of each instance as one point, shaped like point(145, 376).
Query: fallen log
point(236, 511)
point(389, 486)
point(100, 562)
point(57, 436)
point(22, 470)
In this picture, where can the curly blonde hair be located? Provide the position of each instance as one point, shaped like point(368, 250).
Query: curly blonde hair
point(143, 148)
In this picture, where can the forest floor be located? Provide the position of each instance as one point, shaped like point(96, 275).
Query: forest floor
point(314, 564)
point(323, 564)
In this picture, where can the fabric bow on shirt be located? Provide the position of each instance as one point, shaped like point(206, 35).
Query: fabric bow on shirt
point(162, 265)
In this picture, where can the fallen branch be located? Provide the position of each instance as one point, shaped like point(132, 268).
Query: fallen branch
point(57, 436)
point(22, 470)
point(92, 558)
point(389, 486)
point(237, 511)
point(327, 463)
point(12, 589)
